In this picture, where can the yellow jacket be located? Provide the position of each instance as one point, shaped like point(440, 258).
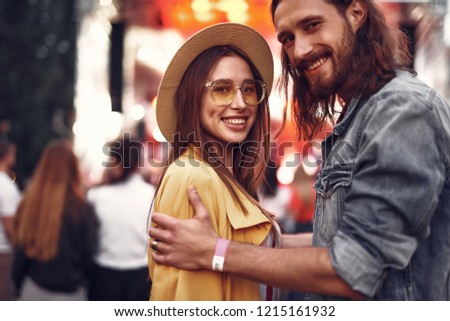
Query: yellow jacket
point(227, 219)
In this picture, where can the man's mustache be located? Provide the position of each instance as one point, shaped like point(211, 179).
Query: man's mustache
point(311, 58)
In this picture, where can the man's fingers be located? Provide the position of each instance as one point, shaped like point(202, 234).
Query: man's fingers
point(158, 247)
point(162, 220)
point(166, 259)
point(196, 202)
point(156, 233)
point(163, 226)
point(158, 257)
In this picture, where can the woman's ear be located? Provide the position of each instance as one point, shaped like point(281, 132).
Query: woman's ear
point(356, 14)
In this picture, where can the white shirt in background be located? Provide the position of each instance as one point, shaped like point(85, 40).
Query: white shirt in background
point(9, 200)
point(122, 210)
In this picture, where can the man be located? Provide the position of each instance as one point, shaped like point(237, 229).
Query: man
point(382, 215)
point(9, 200)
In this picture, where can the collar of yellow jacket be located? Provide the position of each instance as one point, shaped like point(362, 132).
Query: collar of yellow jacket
point(234, 212)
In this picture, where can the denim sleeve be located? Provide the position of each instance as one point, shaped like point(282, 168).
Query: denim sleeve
point(397, 178)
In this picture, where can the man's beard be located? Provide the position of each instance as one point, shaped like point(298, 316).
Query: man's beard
point(342, 62)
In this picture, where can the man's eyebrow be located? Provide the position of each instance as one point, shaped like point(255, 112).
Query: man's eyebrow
point(300, 23)
point(308, 19)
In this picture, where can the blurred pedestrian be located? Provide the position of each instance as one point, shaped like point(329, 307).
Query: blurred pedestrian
point(300, 208)
point(302, 200)
point(213, 107)
point(54, 230)
point(9, 200)
point(382, 214)
point(122, 205)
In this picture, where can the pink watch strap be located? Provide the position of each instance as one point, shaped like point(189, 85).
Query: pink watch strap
point(219, 254)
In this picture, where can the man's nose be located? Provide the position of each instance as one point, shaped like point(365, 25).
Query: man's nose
point(302, 49)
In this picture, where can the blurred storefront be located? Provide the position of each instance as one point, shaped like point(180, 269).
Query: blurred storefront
point(427, 23)
point(432, 59)
point(115, 93)
point(99, 78)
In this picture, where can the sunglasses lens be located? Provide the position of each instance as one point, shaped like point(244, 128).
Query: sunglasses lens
point(224, 92)
point(253, 92)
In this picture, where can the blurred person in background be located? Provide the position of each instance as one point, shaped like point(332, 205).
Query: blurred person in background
point(302, 200)
point(122, 205)
point(55, 230)
point(9, 200)
point(382, 214)
point(213, 107)
point(300, 209)
point(272, 197)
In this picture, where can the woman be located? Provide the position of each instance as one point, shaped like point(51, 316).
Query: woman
point(121, 204)
point(54, 230)
point(213, 107)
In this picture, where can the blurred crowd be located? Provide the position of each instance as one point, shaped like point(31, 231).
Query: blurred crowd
point(62, 240)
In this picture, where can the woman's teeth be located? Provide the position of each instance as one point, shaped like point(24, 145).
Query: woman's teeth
point(234, 121)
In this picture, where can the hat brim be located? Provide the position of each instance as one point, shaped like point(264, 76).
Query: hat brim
point(250, 41)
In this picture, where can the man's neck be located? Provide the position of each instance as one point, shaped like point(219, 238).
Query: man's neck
point(344, 96)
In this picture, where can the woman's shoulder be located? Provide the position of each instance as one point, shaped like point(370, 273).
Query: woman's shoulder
point(186, 166)
point(189, 171)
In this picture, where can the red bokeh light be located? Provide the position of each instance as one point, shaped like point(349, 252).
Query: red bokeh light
point(179, 14)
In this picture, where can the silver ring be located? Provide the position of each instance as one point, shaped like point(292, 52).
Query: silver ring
point(154, 245)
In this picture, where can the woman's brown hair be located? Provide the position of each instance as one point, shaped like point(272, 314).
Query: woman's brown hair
point(250, 157)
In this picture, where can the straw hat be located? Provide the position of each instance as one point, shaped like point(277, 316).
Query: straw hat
point(241, 36)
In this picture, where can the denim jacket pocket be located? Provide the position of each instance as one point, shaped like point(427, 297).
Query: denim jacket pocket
point(331, 185)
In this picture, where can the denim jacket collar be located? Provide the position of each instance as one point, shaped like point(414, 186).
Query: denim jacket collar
point(350, 113)
point(341, 127)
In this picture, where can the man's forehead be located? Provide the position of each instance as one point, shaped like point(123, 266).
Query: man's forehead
point(293, 11)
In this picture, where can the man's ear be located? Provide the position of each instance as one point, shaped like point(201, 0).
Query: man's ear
point(356, 14)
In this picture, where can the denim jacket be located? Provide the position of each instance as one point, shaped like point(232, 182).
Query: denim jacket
point(383, 194)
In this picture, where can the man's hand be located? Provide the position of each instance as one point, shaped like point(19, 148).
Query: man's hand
point(185, 244)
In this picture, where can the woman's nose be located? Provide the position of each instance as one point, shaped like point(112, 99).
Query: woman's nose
point(238, 101)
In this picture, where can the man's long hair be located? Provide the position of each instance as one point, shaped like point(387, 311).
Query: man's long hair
point(379, 51)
